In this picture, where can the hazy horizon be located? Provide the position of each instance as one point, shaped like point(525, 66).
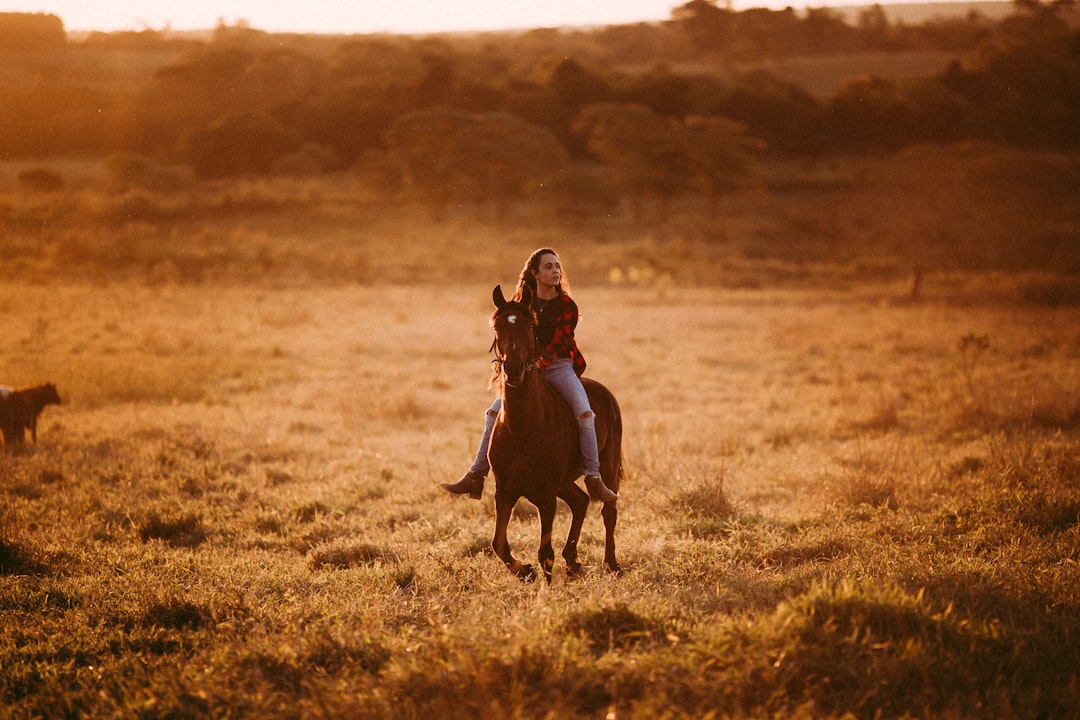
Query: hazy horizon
point(399, 16)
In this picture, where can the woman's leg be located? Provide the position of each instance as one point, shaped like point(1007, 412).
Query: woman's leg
point(472, 482)
point(560, 375)
point(480, 463)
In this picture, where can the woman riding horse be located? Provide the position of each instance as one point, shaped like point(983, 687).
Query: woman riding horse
point(534, 447)
point(561, 363)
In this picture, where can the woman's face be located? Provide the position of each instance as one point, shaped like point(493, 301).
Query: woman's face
point(548, 271)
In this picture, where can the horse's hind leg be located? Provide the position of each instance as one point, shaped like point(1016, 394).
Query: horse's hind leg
point(504, 507)
point(546, 554)
point(611, 463)
point(578, 500)
point(610, 513)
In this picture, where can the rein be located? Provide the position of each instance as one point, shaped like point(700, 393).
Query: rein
point(498, 363)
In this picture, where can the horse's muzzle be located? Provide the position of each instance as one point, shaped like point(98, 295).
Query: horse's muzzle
point(514, 372)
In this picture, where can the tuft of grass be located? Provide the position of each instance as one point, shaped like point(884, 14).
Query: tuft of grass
point(809, 551)
point(18, 560)
point(176, 614)
point(34, 599)
point(871, 489)
point(702, 503)
point(613, 627)
point(840, 647)
point(183, 529)
point(342, 556)
point(310, 511)
point(871, 479)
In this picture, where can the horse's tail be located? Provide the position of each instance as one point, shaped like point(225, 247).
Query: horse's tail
point(616, 436)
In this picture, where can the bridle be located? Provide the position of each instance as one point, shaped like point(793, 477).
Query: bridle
point(500, 360)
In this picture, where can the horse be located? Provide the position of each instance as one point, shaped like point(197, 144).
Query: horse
point(535, 452)
point(19, 410)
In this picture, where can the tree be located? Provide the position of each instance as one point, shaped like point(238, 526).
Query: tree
point(709, 28)
point(489, 159)
point(869, 113)
point(646, 152)
point(874, 25)
point(205, 84)
point(415, 143)
point(349, 118)
point(31, 31)
point(238, 145)
point(825, 30)
point(781, 113)
point(498, 158)
point(675, 95)
point(575, 85)
point(720, 151)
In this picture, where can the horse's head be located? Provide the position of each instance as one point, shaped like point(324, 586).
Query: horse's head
point(515, 343)
point(49, 394)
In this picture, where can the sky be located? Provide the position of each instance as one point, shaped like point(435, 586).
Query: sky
point(361, 16)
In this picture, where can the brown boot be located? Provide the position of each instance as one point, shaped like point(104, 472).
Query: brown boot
point(598, 490)
point(471, 482)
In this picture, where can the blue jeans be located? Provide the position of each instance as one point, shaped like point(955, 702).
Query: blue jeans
point(561, 376)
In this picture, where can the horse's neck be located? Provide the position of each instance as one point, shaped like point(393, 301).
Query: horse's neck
point(526, 406)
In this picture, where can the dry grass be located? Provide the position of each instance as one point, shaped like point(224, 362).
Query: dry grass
point(841, 501)
point(835, 505)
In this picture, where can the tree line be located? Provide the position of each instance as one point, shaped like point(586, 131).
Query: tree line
point(649, 110)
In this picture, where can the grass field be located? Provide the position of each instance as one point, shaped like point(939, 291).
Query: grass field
point(839, 503)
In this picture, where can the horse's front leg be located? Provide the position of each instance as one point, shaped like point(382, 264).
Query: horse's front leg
point(546, 553)
point(578, 500)
point(610, 513)
point(504, 508)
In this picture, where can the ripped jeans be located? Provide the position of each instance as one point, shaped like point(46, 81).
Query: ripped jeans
point(561, 376)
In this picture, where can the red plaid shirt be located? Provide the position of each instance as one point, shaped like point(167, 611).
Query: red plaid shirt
point(557, 319)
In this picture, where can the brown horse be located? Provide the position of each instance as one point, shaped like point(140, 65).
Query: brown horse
point(534, 451)
point(19, 410)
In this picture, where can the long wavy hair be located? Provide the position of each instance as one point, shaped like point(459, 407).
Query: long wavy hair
point(531, 266)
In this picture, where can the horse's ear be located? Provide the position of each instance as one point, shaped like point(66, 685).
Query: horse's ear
point(497, 297)
point(526, 295)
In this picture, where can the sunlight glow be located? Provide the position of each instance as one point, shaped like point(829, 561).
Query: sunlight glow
point(369, 16)
point(324, 16)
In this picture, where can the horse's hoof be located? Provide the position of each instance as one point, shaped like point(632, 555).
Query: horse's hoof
point(615, 569)
point(575, 571)
point(527, 573)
